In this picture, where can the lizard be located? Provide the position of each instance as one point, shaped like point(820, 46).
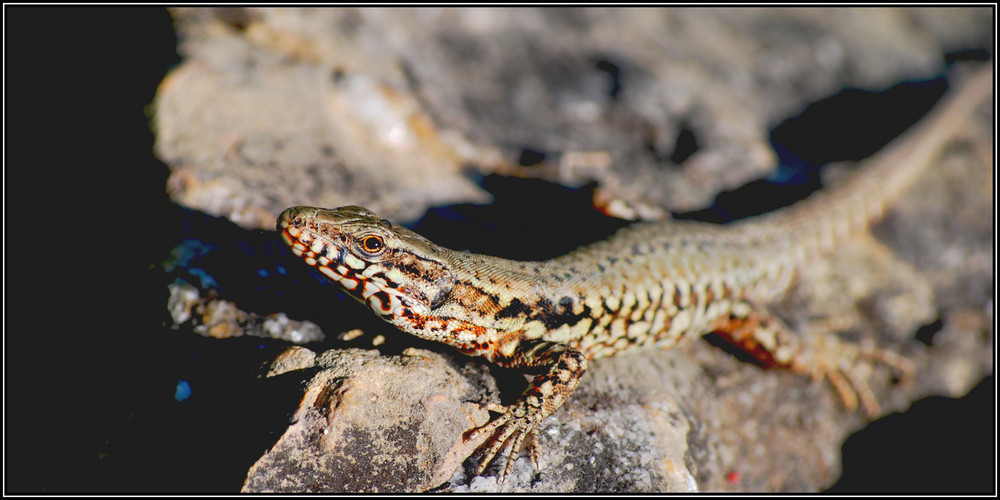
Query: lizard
point(651, 284)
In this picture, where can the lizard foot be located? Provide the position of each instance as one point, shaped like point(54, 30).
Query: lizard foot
point(515, 423)
point(838, 365)
point(546, 393)
point(821, 355)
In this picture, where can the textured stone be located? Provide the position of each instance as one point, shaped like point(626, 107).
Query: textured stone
point(214, 317)
point(372, 424)
point(387, 108)
point(662, 108)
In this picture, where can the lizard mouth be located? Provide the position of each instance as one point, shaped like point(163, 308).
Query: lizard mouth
point(352, 274)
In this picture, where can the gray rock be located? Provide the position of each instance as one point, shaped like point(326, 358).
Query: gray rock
point(373, 424)
point(387, 108)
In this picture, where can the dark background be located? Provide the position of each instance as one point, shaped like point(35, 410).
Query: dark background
point(90, 365)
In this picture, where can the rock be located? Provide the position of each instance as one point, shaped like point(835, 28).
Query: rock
point(661, 110)
point(696, 418)
point(689, 419)
point(373, 424)
point(214, 317)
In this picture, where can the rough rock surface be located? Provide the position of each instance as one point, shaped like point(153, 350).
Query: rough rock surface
point(390, 108)
point(213, 317)
point(696, 418)
point(662, 108)
point(369, 423)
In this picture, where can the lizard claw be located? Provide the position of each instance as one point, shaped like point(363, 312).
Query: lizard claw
point(895, 360)
point(852, 388)
point(522, 419)
point(514, 425)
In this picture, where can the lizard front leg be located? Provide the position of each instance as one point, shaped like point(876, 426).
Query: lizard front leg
point(546, 393)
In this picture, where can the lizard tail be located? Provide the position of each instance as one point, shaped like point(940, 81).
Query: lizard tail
point(819, 222)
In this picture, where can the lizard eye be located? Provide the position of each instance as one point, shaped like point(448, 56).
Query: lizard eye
point(372, 244)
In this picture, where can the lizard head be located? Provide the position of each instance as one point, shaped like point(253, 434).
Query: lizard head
point(396, 272)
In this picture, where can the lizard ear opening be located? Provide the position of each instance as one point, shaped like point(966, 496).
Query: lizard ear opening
point(443, 285)
point(428, 283)
point(441, 297)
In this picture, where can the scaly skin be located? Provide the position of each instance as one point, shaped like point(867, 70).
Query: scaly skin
point(652, 284)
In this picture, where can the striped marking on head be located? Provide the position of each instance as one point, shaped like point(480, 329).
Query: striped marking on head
point(360, 279)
